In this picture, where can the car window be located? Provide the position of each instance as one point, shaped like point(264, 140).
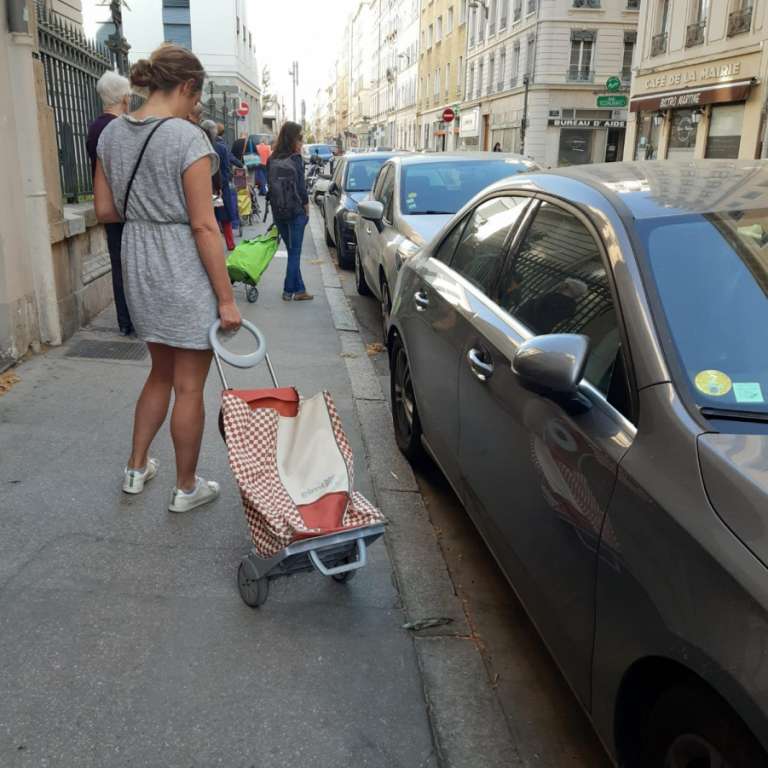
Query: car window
point(386, 192)
point(556, 282)
point(380, 181)
point(446, 249)
point(338, 173)
point(362, 174)
point(481, 250)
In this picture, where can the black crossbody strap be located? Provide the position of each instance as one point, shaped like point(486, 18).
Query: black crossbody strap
point(138, 163)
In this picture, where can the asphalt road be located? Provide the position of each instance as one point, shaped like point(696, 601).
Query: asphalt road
point(549, 726)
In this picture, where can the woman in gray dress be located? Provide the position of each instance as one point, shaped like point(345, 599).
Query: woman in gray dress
point(174, 268)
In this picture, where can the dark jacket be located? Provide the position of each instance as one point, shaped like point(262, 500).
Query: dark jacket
point(94, 131)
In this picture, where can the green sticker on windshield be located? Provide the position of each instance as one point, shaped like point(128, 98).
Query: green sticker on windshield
point(748, 392)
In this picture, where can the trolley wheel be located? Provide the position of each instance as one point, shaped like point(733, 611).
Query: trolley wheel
point(251, 293)
point(343, 578)
point(253, 590)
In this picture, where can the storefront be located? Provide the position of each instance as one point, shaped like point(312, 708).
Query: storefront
point(588, 137)
point(707, 111)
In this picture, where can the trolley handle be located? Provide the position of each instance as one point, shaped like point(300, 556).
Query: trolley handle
point(220, 352)
point(360, 562)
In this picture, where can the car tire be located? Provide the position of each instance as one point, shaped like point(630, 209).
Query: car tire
point(342, 254)
point(360, 281)
point(328, 239)
point(405, 416)
point(692, 727)
point(386, 309)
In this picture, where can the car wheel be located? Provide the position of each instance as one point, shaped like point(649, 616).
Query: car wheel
point(318, 199)
point(692, 727)
point(360, 281)
point(405, 417)
point(342, 254)
point(386, 309)
point(328, 240)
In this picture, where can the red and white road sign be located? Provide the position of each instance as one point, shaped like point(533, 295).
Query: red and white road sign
point(448, 115)
point(243, 109)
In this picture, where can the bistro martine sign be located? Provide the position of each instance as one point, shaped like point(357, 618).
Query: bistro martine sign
point(557, 122)
point(692, 97)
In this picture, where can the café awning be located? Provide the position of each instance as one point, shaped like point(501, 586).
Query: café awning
point(692, 97)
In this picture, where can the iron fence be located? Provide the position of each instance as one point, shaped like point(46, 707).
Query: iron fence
point(72, 66)
point(221, 108)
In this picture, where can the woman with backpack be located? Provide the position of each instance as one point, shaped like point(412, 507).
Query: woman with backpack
point(290, 205)
point(154, 174)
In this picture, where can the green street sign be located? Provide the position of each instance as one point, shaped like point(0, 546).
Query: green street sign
point(612, 100)
point(613, 83)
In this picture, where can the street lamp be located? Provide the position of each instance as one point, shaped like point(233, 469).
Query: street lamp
point(480, 4)
point(523, 125)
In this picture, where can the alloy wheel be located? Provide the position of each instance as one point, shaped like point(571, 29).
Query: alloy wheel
point(386, 308)
point(403, 395)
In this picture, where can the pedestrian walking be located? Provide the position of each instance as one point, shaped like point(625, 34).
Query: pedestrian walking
point(154, 173)
point(264, 151)
point(497, 147)
point(290, 205)
point(226, 213)
point(115, 92)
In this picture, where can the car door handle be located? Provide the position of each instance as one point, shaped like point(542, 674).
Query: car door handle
point(422, 300)
point(367, 229)
point(481, 370)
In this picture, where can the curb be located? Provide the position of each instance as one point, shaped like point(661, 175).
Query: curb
point(468, 723)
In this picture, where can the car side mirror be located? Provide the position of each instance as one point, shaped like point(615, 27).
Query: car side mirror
point(372, 210)
point(552, 362)
point(333, 187)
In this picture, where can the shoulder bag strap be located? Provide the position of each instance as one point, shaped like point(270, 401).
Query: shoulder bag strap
point(138, 163)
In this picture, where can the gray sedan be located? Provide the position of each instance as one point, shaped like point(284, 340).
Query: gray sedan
point(413, 198)
point(583, 354)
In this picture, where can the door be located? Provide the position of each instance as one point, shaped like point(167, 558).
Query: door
point(380, 239)
point(539, 473)
point(332, 199)
point(474, 249)
point(614, 148)
point(365, 235)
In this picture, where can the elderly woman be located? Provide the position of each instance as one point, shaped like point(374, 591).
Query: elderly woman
point(115, 93)
point(226, 213)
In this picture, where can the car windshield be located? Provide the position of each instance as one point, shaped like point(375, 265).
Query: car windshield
point(711, 272)
point(362, 173)
point(444, 187)
point(319, 149)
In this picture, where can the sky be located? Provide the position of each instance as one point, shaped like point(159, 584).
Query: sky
point(308, 31)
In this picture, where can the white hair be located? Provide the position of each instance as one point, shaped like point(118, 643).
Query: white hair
point(112, 88)
point(211, 129)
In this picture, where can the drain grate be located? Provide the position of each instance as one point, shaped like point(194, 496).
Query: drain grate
point(107, 350)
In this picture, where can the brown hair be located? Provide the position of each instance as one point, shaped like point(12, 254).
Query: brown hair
point(290, 134)
point(168, 67)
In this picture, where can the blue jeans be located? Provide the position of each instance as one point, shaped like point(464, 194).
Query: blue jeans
point(292, 233)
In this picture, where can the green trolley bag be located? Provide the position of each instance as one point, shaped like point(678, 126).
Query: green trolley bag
point(246, 264)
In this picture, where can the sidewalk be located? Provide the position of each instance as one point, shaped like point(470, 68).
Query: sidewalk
point(123, 640)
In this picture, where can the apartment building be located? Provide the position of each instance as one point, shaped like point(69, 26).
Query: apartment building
point(363, 73)
point(538, 74)
point(442, 51)
point(72, 10)
point(699, 85)
point(404, 74)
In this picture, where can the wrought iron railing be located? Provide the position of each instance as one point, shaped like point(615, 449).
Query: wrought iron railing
point(580, 74)
point(659, 44)
point(518, 11)
point(694, 34)
point(72, 65)
point(740, 21)
point(633, 5)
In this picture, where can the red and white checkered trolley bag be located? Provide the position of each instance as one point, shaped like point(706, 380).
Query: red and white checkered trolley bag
point(294, 467)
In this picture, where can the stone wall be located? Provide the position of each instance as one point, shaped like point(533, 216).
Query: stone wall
point(81, 267)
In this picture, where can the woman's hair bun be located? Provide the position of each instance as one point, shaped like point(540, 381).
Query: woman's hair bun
point(141, 74)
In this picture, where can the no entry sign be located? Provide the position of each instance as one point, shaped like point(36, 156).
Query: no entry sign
point(243, 109)
point(448, 115)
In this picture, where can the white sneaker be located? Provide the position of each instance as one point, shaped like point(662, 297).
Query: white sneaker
point(134, 479)
point(205, 491)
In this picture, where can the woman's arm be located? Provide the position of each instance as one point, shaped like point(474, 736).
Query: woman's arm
point(103, 202)
point(197, 190)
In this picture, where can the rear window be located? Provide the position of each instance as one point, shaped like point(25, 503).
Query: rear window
point(362, 173)
point(434, 188)
point(711, 274)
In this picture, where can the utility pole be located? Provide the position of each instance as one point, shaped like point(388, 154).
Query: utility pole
point(294, 73)
point(524, 123)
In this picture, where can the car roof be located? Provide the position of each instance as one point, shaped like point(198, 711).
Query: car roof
point(361, 157)
point(660, 188)
point(461, 157)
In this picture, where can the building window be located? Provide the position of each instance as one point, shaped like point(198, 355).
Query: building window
point(471, 82)
point(580, 68)
point(430, 35)
point(463, 12)
point(515, 65)
point(492, 13)
point(447, 77)
point(504, 14)
point(437, 84)
point(459, 75)
point(694, 33)
point(238, 26)
point(531, 6)
point(517, 11)
point(575, 146)
point(502, 69)
point(491, 72)
point(682, 135)
point(633, 5)
point(480, 27)
point(250, 41)
point(630, 37)
point(725, 128)
point(439, 29)
point(659, 40)
point(647, 137)
point(480, 79)
point(449, 21)
point(586, 3)
point(740, 18)
point(176, 23)
point(529, 60)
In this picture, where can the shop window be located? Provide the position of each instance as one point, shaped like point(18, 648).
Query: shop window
point(575, 146)
point(682, 135)
point(725, 127)
point(647, 136)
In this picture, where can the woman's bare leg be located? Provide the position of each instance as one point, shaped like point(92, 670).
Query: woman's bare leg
point(188, 416)
point(152, 405)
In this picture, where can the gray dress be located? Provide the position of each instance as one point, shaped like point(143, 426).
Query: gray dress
point(167, 289)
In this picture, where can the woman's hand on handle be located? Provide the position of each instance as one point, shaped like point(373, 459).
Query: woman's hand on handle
point(229, 315)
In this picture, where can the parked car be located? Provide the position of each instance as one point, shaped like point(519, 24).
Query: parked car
point(352, 180)
point(583, 353)
point(414, 196)
point(323, 151)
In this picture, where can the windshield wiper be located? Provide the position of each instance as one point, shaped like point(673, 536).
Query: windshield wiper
point(732, 414)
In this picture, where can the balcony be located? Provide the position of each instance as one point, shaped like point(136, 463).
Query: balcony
point(659, 44)
point(740, 21)
point(586, 3)
point(694, 34)
point(580, 74)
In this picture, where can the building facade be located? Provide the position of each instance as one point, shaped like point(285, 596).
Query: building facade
point(699, 85)
point(222, 35)
point(442, 51)
point(538, 74)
